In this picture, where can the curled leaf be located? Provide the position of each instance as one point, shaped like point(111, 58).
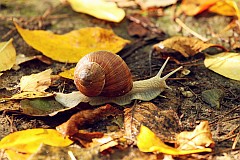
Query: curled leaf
point(84, 117)
point(227, 64)
point(72, 46)
point(201, 137)
point(147, 141)
point(99, 8)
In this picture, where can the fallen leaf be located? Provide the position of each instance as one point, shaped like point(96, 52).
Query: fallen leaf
point(201, 137)
point(72, 46)
point(107, 141)
point(28, 141)
point(8, 55)
point(69, 74)
point(226, 8)
point(70, 99)
point(147, 141)
point(10, 106)
point(194, 7)
point(39, 106)
point(145, 4)
point(36, 82)
point(21, 58)
point(99, 8)
point(135, 29)
point(88, 136)
point(66, 153)
point(166, 122)
point(213, 97)
point(226, 64)
point(84, 117)
point(187, 46)
point(25, 95)
point(11, 155)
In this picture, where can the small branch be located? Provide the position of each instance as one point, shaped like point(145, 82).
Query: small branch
point(184, 26)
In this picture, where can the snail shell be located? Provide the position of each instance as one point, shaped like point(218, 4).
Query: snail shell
point(102, 73)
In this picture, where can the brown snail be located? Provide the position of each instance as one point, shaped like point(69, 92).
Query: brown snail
point(113, 84)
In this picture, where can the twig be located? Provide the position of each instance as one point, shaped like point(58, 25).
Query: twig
point(227, 138)
point(233, 130)
point(184, 26)
point(236, 140)
point(221, 116)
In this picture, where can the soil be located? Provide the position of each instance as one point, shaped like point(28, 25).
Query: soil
point(223, 120)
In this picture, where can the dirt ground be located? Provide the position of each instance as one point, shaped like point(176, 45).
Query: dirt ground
point(223, 120)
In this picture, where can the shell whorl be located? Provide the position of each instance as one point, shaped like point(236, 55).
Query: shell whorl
point(102, 73)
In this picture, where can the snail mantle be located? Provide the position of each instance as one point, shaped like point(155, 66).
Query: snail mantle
point(100, 88)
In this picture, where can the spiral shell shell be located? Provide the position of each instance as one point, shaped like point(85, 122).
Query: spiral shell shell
point(102, 73)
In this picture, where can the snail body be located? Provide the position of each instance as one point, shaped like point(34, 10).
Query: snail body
point(145, 90)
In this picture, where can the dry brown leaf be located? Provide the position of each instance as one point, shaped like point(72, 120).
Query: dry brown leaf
point(135, 29)
point(36, 82)
point(21, 58)
point(84, 117)
point(166, 122)
point(201, 137)
point(187, 46)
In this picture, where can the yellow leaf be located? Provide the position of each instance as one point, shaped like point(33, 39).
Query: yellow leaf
point(194, 7)
point(8, 55)
point(227, 64)
point(99, 8)
point(67, 74)
point(28, 141)
point(72, 46)
point(11, 155)
point(187, 46)
point(25, 95)
point(147, 141)
point(36, 82)
point(226, 8)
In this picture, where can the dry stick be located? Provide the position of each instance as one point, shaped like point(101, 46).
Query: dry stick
point(236, 140)
point(221, 116)
point(231, 132)
point(227, 138)
point(184, 26)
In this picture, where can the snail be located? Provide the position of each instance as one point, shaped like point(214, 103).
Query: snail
point(103, 77)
